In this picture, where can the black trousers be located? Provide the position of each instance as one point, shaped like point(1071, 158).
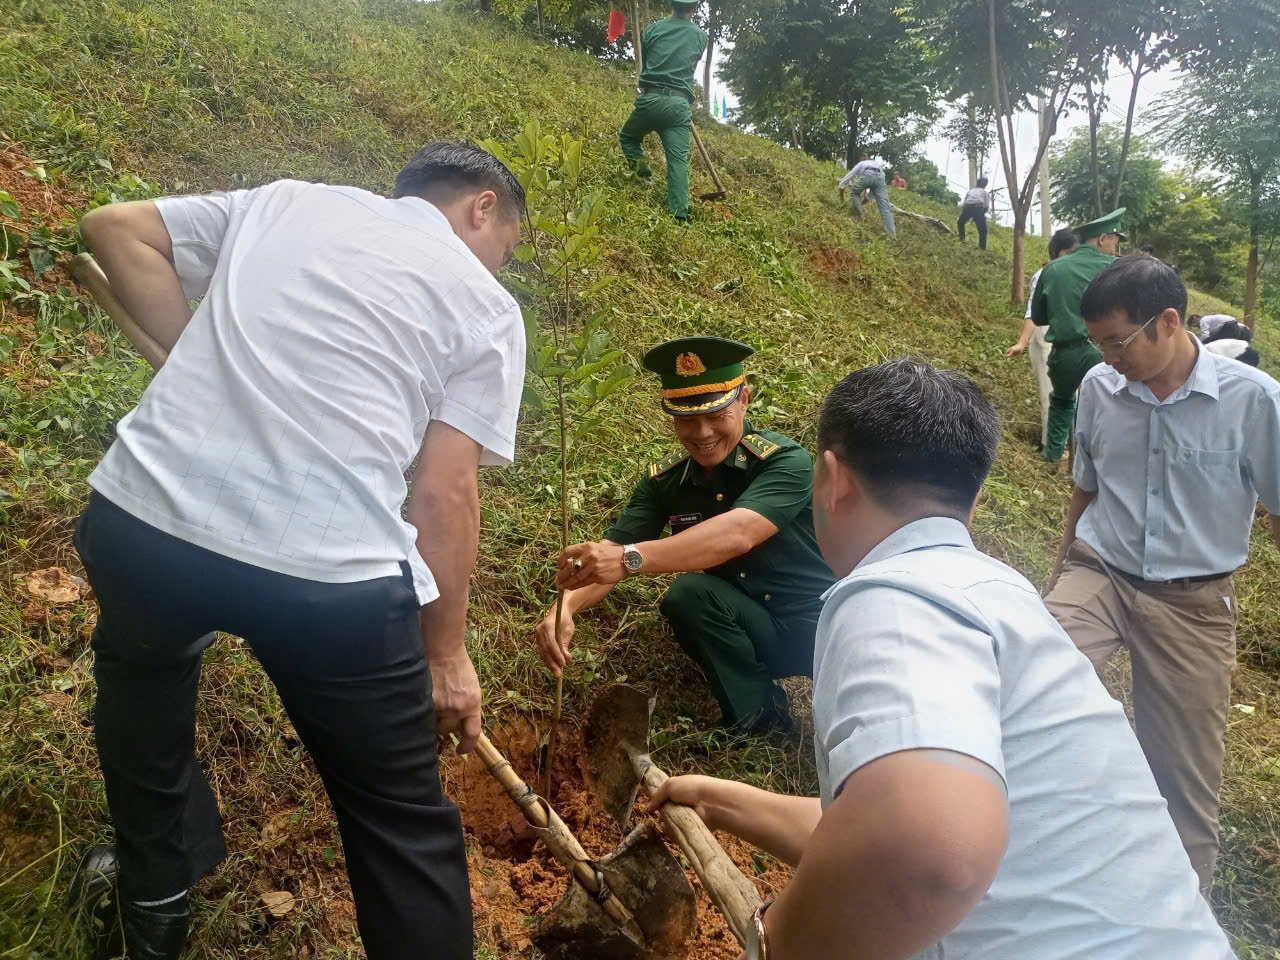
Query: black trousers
point(979, 216)
point(350, 667)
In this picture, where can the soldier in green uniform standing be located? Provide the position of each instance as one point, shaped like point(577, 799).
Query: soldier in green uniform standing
point(1056, 304)
point(738, 501)
point(670, 50)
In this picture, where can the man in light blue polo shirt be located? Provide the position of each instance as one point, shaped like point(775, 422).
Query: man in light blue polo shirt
point(981, 794)
point(1174, 447)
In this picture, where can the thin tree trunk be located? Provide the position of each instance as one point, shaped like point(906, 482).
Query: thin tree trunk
point(1093, 146)
point(1251, 270)
point(1128, 131)
point(636, 30)
point(852, 119)
point(713, 29)
point(539, 15)
point(1019, 255)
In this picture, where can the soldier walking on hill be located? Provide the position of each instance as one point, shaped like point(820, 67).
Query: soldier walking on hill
point(257, 490)
point(1055, 303)
point(670, 51)
point(737, 499)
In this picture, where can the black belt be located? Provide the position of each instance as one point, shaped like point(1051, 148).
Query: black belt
point(1176, 582)
point(666, 92)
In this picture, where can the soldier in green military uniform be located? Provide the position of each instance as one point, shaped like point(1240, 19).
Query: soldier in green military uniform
point(1056, 304)
point(670, 50)
point(738, 501)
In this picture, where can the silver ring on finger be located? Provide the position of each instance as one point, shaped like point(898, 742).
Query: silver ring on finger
point(577, 563)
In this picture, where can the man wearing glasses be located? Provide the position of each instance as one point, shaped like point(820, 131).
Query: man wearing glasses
point(1055, 303)
point(1164, 424)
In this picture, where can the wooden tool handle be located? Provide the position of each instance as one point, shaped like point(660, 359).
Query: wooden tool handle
point(551, 830)
point(706, 158)
point(734, 895)
point(90, 276)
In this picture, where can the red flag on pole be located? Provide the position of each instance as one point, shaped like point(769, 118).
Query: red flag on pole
point(617, 25)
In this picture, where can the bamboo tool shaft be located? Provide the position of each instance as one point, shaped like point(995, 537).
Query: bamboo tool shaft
point(706, 158)
point(564, 846)
point(733, 894)
point(90, 276)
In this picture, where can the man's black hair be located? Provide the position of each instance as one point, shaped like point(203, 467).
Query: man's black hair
point(1149, 249)
point(442, 170)
point(982, 181)
point(1139, 287)
point(1062, 241)
point(912, 432)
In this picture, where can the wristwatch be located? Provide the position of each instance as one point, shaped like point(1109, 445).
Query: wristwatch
point(631, 558)
point(758, 948)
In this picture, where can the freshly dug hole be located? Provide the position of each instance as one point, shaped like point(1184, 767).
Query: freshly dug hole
point(513, 879)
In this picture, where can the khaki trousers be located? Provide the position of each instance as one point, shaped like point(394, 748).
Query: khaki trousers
point(1182, 643)
point(1038, 351)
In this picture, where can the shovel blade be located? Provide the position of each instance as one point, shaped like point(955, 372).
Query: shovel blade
point(717, 195)
point(616, 732)
point(650, 882)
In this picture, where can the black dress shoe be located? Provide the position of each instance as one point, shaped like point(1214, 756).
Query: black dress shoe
point(92, 900)
point(157, 933)
point(151, 933)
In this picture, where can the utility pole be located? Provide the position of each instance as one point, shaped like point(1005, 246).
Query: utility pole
point(1046, 209)
point(971, 120)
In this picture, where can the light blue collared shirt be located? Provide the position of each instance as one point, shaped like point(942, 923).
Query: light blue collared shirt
point(858, 168)
point(930, 644)
point(1177, 480)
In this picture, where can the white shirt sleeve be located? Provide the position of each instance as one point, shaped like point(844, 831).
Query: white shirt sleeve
point(849, 176)
point(482, 395)
point(1031, 294)
point(903, 673)
point(1083, 473)
point(196, 227)
point(1262, 452)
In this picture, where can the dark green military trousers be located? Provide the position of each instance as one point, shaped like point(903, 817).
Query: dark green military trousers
point(741, 646)
point(1068, 363)
point(671, 117)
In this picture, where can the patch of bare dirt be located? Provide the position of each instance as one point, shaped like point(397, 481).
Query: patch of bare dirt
point(514, 879)
point(840, 266)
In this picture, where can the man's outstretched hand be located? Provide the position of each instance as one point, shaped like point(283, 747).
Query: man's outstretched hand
point(455, 690)
point(584, 564)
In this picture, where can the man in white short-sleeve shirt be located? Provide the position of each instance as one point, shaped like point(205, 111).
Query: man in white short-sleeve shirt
point(980, 793)
point(257, 489)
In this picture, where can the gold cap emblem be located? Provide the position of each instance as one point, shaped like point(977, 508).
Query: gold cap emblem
point(689, 365)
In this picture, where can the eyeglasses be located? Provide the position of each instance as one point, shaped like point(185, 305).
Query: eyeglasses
point(1118, 345)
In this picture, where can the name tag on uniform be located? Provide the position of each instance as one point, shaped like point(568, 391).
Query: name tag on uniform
point(683, 521)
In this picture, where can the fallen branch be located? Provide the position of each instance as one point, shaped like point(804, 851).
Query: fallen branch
point(931, 221)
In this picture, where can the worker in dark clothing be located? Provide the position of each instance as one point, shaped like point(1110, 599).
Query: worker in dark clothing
point(670, 50)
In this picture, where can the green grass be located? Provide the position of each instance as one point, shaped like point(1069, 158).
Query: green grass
point(203, 94)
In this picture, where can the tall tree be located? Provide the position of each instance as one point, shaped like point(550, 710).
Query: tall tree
point(971, 129)
point(1229, 118)
point(855, 56)
point(1006, 52)
point(1144, 191)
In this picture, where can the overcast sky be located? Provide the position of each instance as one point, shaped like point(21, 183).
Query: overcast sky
point(954, 165)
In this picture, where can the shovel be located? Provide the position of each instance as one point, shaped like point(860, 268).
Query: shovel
point(634, 902)
point(618, 763)
point(718, 193)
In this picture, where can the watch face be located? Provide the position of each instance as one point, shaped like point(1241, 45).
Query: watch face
point(632, 559)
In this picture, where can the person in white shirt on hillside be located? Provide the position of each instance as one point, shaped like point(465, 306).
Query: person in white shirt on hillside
point(981, 796)
point(257, 490)
point(868, 174)
point(977, 204)
point(1031, 338)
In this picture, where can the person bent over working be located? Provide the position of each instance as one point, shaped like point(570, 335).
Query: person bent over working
point(981, 794)
point(737, 499)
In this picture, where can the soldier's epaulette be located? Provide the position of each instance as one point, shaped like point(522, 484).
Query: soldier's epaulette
point(670, 463)
point(761, 446)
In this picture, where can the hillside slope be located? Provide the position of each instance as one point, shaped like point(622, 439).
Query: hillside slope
point(202, 94)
